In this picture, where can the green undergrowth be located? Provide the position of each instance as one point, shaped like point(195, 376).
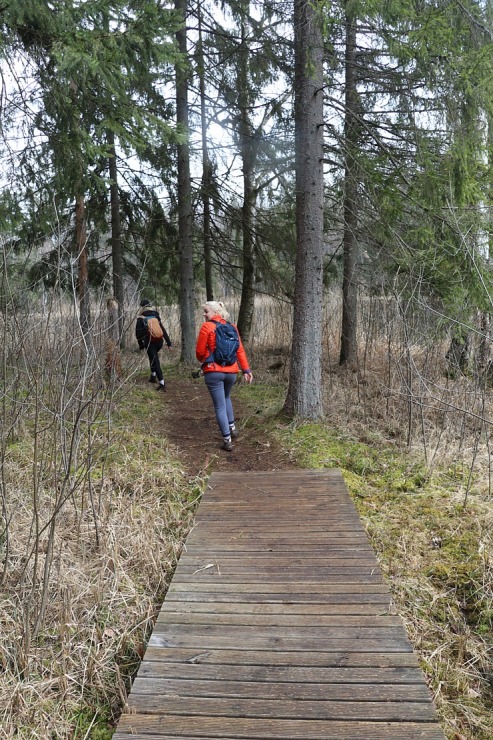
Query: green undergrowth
point(434, 547)
point(136, 440)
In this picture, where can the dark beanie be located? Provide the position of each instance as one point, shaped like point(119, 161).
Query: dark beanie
point(145, 302)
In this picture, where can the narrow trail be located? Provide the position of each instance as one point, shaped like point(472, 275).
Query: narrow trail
point(189, 424)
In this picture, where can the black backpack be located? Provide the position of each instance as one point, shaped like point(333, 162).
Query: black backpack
point(227, 344)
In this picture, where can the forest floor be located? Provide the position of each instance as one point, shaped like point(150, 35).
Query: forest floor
point(190, 427)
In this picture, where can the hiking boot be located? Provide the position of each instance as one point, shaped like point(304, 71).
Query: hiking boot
point(153, 379)
point(227, 445)
point(161, 387)
point(234, 433)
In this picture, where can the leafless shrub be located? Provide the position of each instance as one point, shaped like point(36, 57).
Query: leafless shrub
point(84, 554)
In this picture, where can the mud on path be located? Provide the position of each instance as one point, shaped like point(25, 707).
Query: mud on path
point(190, 426)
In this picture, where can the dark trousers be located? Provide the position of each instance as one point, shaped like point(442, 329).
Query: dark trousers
point(153, 355)
point(220, 386)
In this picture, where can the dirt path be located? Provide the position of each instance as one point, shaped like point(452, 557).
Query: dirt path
point(190, 425)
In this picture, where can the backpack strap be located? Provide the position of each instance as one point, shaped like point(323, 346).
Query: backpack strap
point(211, 356)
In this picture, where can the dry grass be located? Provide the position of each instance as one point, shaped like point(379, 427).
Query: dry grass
point(95, 507)
point(107, 574)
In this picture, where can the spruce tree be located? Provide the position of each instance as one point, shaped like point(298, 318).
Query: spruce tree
point(304, 397)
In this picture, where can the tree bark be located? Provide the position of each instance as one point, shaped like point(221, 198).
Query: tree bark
point(248, 156)
point(185, 243)
point(113, 366)
point(81, 245)
point(348, 353)
point(206, 168)
point(304, 397)
point(116, 236)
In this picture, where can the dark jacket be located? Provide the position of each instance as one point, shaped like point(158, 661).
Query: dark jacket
point(141, 331)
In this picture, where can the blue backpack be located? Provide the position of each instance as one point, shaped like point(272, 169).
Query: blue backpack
point(227, 344)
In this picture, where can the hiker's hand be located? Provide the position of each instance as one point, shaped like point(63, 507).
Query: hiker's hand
point(170, 347)
point(248, 377)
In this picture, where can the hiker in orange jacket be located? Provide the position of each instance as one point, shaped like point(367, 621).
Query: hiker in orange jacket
point(220, 379)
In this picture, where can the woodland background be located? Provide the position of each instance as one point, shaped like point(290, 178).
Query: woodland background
point(327, 172)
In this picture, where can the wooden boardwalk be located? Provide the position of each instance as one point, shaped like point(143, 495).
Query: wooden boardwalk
point(278, 624)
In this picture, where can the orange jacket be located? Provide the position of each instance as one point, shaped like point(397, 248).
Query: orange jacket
point(206, 344)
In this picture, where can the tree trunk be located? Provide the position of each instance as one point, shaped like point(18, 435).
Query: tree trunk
point(113, 365)
point(304, 398)
point(484, 352)
point(206, 204)
point(206, 168)
point(185, 243)
point(248, 155)
point(81, 245)
point(348, 353)
point(116, 236)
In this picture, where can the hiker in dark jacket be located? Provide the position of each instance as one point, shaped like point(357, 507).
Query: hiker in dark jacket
point(151, 335)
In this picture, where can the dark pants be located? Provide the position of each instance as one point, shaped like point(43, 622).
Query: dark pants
point(153, 355)
point(220, 386)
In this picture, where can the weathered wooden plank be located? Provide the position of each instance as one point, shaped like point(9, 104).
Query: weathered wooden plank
point(310, 550)
point(203, 728)
point(271, 518)
point(296, 658)
point(274, 621)
point(259, 689)
point(265, 587)
point(272, 559)
point(210, 575)
point(236, 671)
point(301, 541)
point(286, 597)
point(210, 513)
point(312, 518)
point(276, 531)
point(386, 711)
point(281, 643)
point(147, 736)
point(227, 630)
point(213, 605)
point(311, 572)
